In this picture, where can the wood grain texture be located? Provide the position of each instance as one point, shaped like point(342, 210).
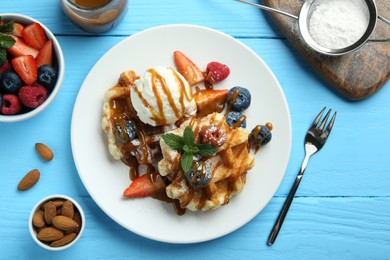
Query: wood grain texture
point(356, 75)
point(342, 209)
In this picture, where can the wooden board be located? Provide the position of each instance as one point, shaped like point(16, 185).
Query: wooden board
point(356, 75)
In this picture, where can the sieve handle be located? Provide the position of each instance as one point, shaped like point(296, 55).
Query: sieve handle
point(383, 19)
point(269, 9)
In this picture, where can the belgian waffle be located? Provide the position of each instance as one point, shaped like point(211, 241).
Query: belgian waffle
point(228, 167)
point(117, 109)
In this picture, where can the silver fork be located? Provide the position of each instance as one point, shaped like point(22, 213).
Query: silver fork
point(314, 141)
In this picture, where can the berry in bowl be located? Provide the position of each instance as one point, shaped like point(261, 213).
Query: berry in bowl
point(31, 67)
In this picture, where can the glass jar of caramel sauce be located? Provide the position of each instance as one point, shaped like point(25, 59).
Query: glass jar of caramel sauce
point(95, 16)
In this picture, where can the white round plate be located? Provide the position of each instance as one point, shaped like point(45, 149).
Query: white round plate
point(106, 179)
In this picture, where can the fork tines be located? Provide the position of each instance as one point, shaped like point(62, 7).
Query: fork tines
point(323, 122)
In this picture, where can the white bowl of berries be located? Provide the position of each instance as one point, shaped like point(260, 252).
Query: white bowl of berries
point(31, 67)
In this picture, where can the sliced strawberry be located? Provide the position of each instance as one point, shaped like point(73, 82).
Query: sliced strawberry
point(145, 185)
point(20, 48)
point(45, 54)
point(26, 68)
point(18, 28)
point(210, 100)
point(187, 68)
point(34, 35)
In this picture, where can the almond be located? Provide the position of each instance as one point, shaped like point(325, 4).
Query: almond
point(58, 203)
point(29, 180)
point(44, 151)
point(50, 212)
point(50, 234)
point(64, 241)
point(67, 209)
point(38, 219)
point(64, 223)
point(77, 219)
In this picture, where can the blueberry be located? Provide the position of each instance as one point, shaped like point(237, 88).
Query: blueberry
point(10, 83)
point(199, 176)
point(260, 135)
point(1, 102)
point(239, 99)
point(47, 76)
point(233, 117)
point(126, 132)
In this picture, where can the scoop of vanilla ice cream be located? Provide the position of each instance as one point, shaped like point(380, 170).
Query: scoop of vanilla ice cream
point(162, 96)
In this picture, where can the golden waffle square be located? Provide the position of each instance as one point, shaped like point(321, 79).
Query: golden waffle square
point(228, 167)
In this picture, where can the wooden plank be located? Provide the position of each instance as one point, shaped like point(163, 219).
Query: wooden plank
point(320, 228)
point(356, 75)
point(218, 14)
point(332, 172)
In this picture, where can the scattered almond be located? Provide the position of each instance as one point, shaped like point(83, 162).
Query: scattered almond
point(29, 180)
point(44, 151)
point(50, 212)
point(38, 219)
point(64, 241)
point(50, 234)
point(67, 209)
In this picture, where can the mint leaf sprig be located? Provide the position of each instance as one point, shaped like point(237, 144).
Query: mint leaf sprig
point(6, 41)
point(187, 147)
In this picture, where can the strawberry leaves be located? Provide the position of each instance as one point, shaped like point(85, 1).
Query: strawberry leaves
point(187, 147)
point(6, 41)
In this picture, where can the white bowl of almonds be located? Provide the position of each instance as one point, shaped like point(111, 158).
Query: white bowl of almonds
point(56, 222)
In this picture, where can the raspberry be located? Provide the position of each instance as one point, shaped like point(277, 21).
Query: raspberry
point(216, 72)
point(5, 67)
point(32, 96)
point(212, 134)
point(11, 105)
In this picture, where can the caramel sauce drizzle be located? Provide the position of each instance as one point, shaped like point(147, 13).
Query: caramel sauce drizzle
point(159, 116)
point(123, 110)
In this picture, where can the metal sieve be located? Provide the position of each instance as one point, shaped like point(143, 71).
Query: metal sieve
point(303, 21)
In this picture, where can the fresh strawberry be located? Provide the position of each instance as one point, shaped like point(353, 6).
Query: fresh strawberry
point(34, 35)
point(216, 72)
point(210, 100)
point(145, 185)
point(45, 54)
point(18, 28)
point(20, 48)
point(26, 67)
point(187, 68)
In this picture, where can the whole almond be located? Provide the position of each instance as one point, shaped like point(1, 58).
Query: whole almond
point(64, 223)
point(67, 209)
point(77, 219)
point(44, 151)
point(29, 180)
point(64, 241)
point(38, 219)
point(50, 234)
point(50, 212)
point(58, 203)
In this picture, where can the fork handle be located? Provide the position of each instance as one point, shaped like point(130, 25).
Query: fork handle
point(282, 215)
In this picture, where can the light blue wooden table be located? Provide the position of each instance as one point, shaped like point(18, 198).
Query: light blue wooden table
point(342, 208)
